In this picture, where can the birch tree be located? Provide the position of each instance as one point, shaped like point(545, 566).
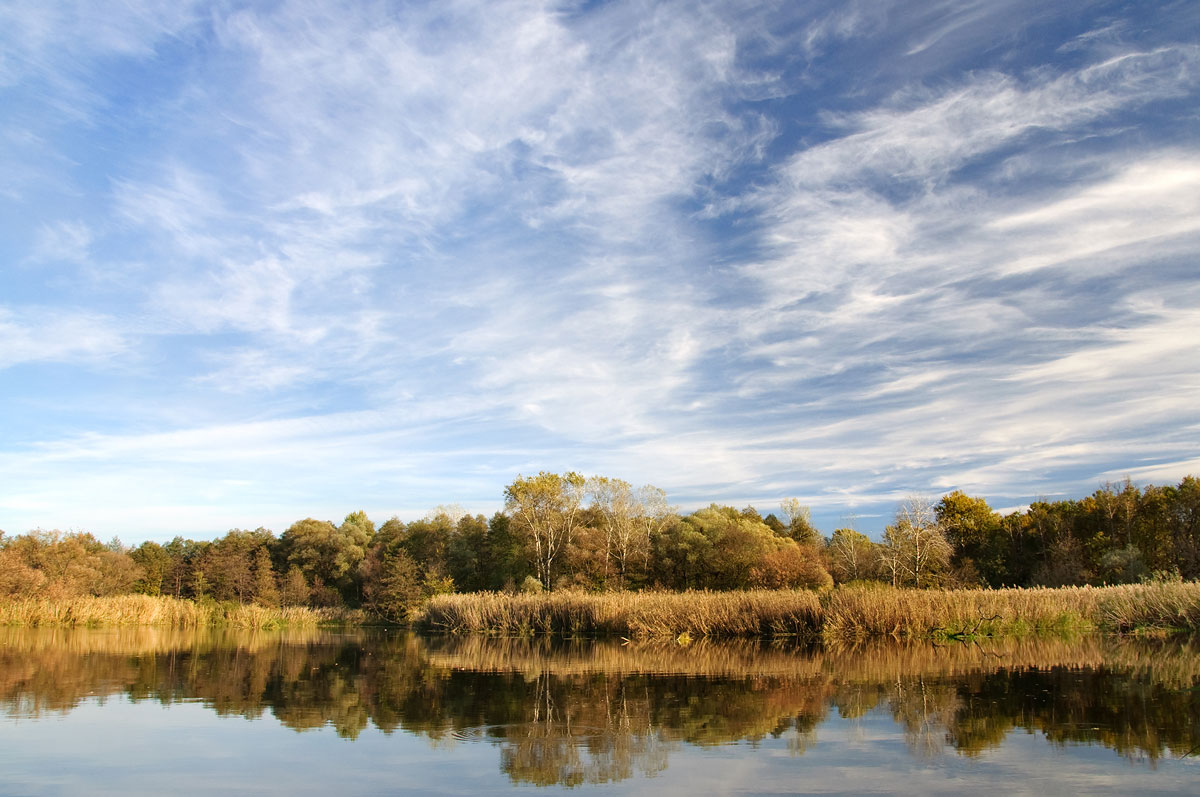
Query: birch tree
point(546, 509)
point(915, 549)
point(852, 556)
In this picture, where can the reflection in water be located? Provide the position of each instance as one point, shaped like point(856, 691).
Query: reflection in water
point(571, 713)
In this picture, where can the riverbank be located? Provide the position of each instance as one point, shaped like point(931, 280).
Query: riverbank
point(845, 613)
point(146, 610)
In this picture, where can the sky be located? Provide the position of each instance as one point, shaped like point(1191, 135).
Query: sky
point(269, 260)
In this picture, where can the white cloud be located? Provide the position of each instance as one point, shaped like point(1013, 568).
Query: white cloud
point(63, 241)
point(54, 334)
point(473, 241)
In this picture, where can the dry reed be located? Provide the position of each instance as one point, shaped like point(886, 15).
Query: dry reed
point(125, 610)
point(628, 614)
point(840, 614)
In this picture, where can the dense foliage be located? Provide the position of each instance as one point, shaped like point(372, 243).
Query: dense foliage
point(601, 534)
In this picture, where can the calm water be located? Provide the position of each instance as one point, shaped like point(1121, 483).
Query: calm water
point(142, 711)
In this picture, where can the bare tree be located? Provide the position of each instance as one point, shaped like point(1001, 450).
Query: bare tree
point(914, 546)
point(852, 556)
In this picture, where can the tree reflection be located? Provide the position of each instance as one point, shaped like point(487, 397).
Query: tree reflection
point(573, 713)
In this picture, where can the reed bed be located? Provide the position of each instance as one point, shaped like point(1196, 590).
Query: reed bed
point(843, 614)
point(1131, 607)
point(628, 614)
point(128, 610)
point(866, 612)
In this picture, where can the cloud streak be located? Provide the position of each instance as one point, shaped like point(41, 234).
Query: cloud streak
point(392, 255)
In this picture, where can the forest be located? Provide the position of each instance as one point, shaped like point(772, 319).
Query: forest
point(598, 534)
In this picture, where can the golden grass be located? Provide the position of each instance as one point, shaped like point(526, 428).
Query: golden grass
point(869, 612)
point(146, 610)
point(628, 614)
point(843, 614)
point(850, 613)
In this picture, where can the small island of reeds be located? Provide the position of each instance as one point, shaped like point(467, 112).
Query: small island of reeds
point(843, 613)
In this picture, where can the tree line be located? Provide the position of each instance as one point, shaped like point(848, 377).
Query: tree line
point(565, 531)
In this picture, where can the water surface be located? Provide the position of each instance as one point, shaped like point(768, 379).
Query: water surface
point(140, 711)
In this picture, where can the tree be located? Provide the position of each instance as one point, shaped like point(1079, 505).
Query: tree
point(426, 540)
point(328, 555)
point(799, 522)
point(973, 531)
point(393, 586)
point(915, 549)
point(656, 516)
point(155, 562)
point(852, 556)
point(681, 557)
point(266, 587)
point(775, 525)
point(790, 566)
point(628, 518)
point(467, 553)
point(507, 564)
point(295, 590)
point(546, 509)
point(723, 548)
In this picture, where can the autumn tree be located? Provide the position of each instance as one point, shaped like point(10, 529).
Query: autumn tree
point(627, 517)
point(852, 556)
point(799, 522)
point(915, 551)
point(546, 509)
point(973, 531)
point(790, 566)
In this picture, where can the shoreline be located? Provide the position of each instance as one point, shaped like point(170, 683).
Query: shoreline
point(844, 613)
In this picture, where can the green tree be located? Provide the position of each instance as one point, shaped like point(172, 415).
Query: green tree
point(155, 563)
point(775, 525)
point(426, 541)
point(393, 585)
point(973, 531)
point(329, 556)
point(266, 586)
point(724, 549)
point(468, 554)
point(799, 522)
point(508, 564)
point(295, 591)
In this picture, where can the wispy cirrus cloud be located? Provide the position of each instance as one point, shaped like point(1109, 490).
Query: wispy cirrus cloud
point(842, 251)
point(49, 334)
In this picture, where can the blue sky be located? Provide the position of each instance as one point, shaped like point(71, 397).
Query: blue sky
point(262, 261)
